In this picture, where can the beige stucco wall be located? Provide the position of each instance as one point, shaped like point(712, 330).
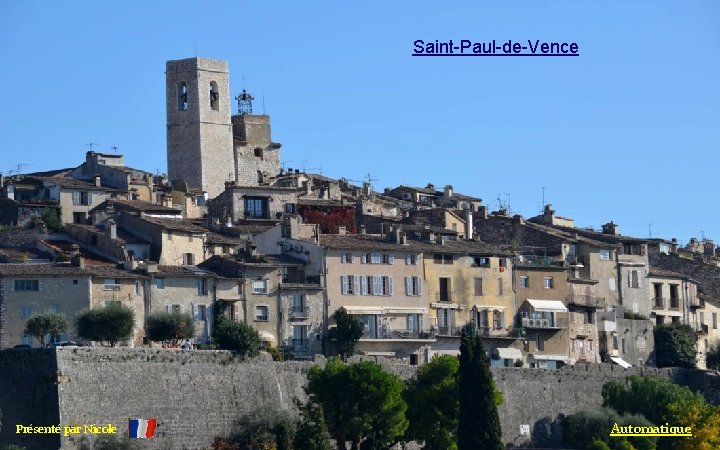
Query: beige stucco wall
point(129, 292)
point(184, 291)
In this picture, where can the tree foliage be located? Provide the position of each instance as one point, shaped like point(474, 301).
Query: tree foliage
point(237, 336)
point(169, 327)
point(581, 429)
point(51, 218)
point(712, 357)
point(330, 221)
point(346, 334)
point(46, 324)
point(311, 432)
point(108, 325)
point(675, 346)
point(361, 403)
point(433, 405)
point(702, 418)
point(479, 423)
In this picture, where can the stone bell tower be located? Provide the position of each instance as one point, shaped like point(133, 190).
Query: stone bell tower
point(199, 129)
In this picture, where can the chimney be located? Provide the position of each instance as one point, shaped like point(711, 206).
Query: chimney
point(131, 265)
point(111, 229)
point(97, 181)
point(397, 235)
point(363, 230)
point(78, 261)
point(342, 231)
point(250, 249)
point(228, 222)
point(482, 212)
point(448, 191)
point(367, 189)
point(609, 228)
point(1, 180)
point(548, 214)
point(403, 239)
point(308, 187)
point(11, 191)
point(334, 190)
point(469, 230)
point(431, 237)
point(709, 247)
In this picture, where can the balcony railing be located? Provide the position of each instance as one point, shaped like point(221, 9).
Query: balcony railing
point(448, 331)
point(111, 287)
point(300, 344)
point(586, 300)
point(444, 296)
point(299, 312)
point(658, 303)
point(674, 303)
point(697, 303)
point(398, 334)
point(701, 328)
point(542, 323)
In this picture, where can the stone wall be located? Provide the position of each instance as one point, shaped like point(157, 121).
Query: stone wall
point(198, 395)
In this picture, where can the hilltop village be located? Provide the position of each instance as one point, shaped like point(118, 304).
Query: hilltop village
point(229, 229)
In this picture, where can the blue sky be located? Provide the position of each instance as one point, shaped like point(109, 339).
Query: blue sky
point(628, 131)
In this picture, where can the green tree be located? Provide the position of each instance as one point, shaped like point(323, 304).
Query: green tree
point(479, 423)
point(51, 218)
point(712, 357)
point(169, 327)
point(433, 405)
point(311, 433)
point(345, 335)
point(237, 336)
point(107, 325)
point(359, 401)
point(46, 324)
point(581, 429)
point(704, 420)
point(675, 346)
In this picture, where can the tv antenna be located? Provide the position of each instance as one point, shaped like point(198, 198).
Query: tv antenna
point(508, 201)
point(19, 168)
point(90, 144)
point(114, 148)
point(650, 230)
point(542, 207)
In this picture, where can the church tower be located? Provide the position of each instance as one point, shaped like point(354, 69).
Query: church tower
point(199, 130)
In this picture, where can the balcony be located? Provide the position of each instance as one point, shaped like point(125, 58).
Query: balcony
point(542, 323)
point(300, 344)
point(448, 331)
point(701, 328)
point(586, 300)
point(111, 287)
point(399, 335)
point(658, 303)
point(299, 312)
point(697, 303)
point(444, 296)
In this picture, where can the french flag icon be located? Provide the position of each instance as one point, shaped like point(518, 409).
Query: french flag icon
point(142, 428)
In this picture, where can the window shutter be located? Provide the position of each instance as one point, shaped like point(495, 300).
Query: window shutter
point(76, 197)
point(376, 282)
point(342, 258)
point(408, 286)
point(363, 258)
point(167, 308)
point(420, 285)
point(90, 196)
point(356, 284)
point(364, 285)
point(196, 312)
point(344, 284)
point(407, 260)
point(390, 285)
point(352, 258)
point(391, 258)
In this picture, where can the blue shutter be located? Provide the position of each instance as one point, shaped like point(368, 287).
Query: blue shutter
point(390, 285)
point(408, 285)
point(356, 284)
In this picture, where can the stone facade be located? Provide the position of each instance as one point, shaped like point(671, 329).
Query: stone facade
point(199, 130)
point(251, 203)
point(257, 158)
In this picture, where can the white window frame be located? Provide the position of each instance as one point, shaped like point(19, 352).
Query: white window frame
point(524, 281)
point(548, 282)
point(259, 318)
point(259, 290)
point(604, 255)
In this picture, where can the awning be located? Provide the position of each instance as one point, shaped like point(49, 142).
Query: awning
point(563, 358)
point(402, 310)
point(509, 353)
point(548, 305)
point(363, 309)
point(490, 308)
point(266, 337)
point(445, 305)
point(621, 362)
point(230, 300)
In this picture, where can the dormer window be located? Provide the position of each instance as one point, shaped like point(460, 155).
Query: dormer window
point(182, 96)
point(214, 96)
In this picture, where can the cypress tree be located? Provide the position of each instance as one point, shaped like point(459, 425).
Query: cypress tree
point(479, 423)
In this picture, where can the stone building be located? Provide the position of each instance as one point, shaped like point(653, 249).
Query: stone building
point(113, 173)
point(251, 203)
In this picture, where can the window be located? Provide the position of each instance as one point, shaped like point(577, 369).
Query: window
point(160, 283)
point(640, 342)
point(500, 286)
point(411, 260)
point(298, 303)
point(347, 258)
point(259, 152)
point(256, 208)
point(674, 300)
point(182, 96)
point(82, 198)
point(481, 261)
point(714, 321)
point(26, 311)
point(590, 317)
point(27, 285)
point(498, 320)
point(26, 340)
point(478, 286)
point(548, 282)
point(137, 288)
point(624, 347)
point(299, 339)
point(202, 287)
point(539, 343)
point(55, 309)
point(503, 264)
point(259, 287)
point(201, 312)
point(664, 249)
point(111, 284)
point(524, 281)
point(214, 96)
point(188, 259)
point(169, 235)
point(350, 284)
point(605, 255)
point(262, 313)
point(441, 258)
point(377, 258)
point(413, 285)
point(634, 279)
point(382, 285)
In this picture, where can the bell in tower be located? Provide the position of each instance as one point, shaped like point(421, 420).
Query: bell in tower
point(244, 101)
